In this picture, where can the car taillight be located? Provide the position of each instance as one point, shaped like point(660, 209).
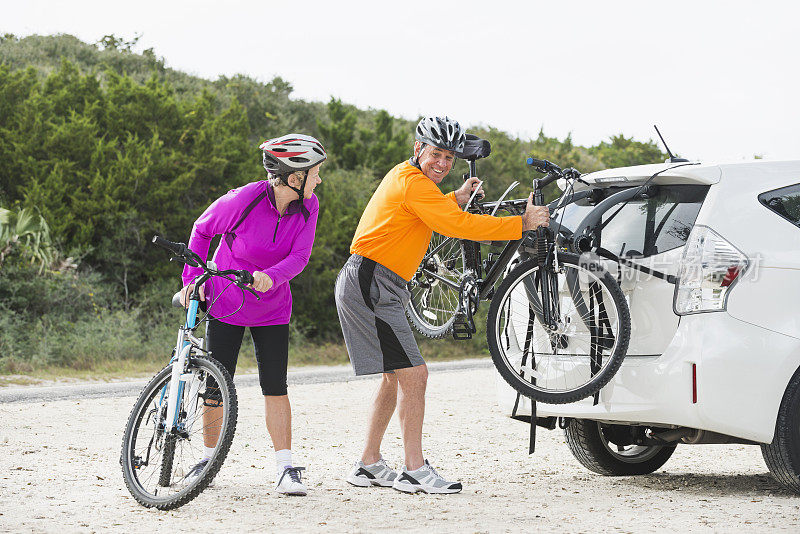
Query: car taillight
point(709, 267)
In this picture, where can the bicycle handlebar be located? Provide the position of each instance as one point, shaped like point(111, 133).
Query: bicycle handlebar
point(243, 278)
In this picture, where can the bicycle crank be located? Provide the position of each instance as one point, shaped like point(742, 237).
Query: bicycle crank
point(463, 322)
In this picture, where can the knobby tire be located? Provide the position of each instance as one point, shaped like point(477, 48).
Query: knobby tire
point(143, 408)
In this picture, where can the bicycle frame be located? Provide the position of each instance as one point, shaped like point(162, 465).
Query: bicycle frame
point(492, 275)
point(475, 286)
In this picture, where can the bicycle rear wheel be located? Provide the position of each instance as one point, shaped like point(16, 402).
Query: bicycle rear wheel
point(156, 465)
point(585, 348)
point(435, 286)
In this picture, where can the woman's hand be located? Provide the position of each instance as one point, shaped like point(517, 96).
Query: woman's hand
point(186, 292)
point(261, 282)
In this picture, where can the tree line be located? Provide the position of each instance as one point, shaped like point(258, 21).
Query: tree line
point(102, 147)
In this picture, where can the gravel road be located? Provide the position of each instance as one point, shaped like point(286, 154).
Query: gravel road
point(59, 470)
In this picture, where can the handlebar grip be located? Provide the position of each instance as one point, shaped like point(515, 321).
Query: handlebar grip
point(175, 248)
point(542, 165)
point(244, 279)
point(178, 249)
point(533, 162)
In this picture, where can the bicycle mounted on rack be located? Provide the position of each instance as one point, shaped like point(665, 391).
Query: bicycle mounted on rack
point(472, 285)
point(549, 289)
point(477, 277)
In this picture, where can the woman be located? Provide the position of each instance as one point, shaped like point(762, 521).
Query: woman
point(267, 228)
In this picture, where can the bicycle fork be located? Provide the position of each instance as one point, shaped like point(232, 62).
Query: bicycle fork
point(177, 382)
point(183, 348)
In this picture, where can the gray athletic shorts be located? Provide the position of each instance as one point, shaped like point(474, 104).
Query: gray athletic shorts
point(371, 302)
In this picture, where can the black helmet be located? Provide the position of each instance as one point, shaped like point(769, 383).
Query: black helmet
point(441, 132)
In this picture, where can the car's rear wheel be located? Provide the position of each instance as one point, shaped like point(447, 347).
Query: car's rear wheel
point(595, 446)
point(782, 456)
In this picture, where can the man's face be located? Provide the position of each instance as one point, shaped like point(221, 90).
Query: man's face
point(434, 162)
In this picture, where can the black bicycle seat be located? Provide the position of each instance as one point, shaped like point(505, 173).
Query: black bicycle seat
point(475, 148)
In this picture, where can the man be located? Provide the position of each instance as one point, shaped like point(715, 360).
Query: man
point(371, 294)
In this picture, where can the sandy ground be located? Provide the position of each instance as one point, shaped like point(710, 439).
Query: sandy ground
point(59, 472)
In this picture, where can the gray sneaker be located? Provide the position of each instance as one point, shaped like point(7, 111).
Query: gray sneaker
point(194, 472)
point(377, 474)
point(424, 479)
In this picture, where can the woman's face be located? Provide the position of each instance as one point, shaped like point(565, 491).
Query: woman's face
point(312, 181)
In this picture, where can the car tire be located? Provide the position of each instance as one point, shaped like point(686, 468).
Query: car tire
point(594, 451)
point(782, 456)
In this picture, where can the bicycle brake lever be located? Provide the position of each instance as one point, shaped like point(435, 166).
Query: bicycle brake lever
point(253, 291)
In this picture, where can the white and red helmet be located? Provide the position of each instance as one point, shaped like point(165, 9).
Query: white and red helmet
point(291, 153)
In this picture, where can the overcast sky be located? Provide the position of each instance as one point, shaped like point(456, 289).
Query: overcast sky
point(721, 79)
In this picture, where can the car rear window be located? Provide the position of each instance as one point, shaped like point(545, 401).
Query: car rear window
point(785, 202)
point(645, 227)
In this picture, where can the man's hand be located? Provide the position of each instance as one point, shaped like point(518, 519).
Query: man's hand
point(186, 292)
point(465, 191)
point(261, 282)
point(535, 216)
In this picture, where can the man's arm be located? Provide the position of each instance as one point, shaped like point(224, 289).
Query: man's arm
point(443, 215)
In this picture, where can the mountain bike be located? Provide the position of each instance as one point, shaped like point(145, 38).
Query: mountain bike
point(190, 403)
point(558, 324)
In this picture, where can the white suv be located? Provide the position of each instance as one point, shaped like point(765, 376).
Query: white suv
point(714, 355)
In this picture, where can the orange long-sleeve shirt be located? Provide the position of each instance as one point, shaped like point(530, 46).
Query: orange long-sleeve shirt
point(402, 214)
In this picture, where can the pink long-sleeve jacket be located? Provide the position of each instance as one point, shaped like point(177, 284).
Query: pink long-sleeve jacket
point(279, 246)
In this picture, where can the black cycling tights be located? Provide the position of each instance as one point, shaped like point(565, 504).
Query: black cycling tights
point(272, 351)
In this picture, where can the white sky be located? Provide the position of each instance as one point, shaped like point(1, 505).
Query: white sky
point(720, 78)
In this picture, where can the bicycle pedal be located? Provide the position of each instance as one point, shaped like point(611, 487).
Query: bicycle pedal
point(462, 328)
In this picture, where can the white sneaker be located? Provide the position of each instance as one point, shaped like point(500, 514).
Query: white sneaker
point(289, 483)
point(377, 474)
point(424, 479)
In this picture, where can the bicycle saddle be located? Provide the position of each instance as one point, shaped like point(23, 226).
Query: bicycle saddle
point(475, 148)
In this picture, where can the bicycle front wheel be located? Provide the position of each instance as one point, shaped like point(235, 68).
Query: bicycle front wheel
point(164, 470)
point(435, 287)
point(577, 354)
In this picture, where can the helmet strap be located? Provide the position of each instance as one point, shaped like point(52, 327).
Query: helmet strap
point(421, 148)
